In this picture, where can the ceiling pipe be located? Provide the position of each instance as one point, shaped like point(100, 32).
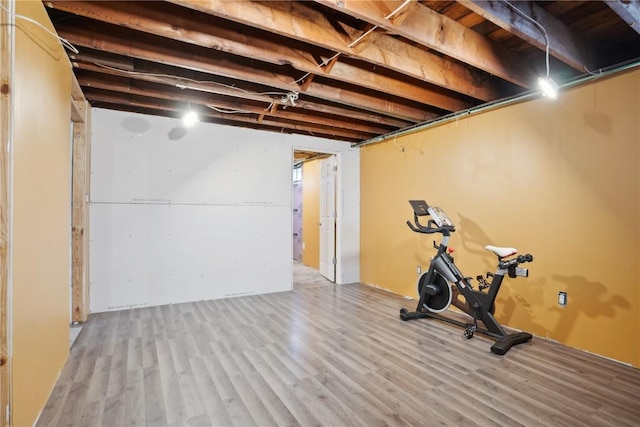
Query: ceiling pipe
point(585, 78)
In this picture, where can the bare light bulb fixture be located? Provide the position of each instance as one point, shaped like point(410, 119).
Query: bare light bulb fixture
point(548, 86)
point(190, 118)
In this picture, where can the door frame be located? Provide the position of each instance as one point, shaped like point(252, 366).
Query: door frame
point(328, 253)
point(338, 201)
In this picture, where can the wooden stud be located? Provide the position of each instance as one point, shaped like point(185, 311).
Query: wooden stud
point(76, 91)
point(80, 212)
point(87, 204)
point(77, 115)
point(6, 47)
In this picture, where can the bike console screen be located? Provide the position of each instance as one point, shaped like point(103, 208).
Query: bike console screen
point(421, 208)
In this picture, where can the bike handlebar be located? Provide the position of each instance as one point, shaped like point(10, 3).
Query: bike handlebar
point(429, 228)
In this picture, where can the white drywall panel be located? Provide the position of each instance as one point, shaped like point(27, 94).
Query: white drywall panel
point(209, 164)
point(203, 216)
point(146, 255)
point(205, 213)
point(348, 229)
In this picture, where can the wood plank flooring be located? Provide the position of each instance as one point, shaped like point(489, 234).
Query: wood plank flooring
point(324, 355)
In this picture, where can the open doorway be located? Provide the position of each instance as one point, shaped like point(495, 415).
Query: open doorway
point(314, 215)
point(328, 217)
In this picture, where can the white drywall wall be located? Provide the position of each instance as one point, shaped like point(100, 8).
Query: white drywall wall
point(205, 214)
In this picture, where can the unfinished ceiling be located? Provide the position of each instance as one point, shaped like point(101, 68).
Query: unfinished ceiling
point(341, 69)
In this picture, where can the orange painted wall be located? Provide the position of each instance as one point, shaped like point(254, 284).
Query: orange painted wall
point(311, 213)
point(557, 179)
point(41, 215)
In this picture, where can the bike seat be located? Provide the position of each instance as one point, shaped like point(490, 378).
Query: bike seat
point(501, 252)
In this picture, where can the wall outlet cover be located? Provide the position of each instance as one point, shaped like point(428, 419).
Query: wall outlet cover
point(562, 299)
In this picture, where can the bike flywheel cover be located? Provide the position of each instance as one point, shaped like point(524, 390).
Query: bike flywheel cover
point(440, 298)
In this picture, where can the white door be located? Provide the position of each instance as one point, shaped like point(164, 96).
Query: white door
point(328, 218)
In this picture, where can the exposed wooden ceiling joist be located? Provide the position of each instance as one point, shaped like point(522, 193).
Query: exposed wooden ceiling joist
point(134, 44)
point(346, 70)
point(297, 21)
point(221, 103)
point(428, 28)
point(192, 80)
point(114, 97)
point(198, 31)
point(541, 28)
point(628, 10)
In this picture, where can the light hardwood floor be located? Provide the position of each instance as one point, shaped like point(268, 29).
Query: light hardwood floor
point(324, 354)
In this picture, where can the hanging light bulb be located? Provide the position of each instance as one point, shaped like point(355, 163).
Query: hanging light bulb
point(190, 118)
point(549, 87)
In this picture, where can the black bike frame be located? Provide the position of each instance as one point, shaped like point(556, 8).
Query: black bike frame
point(479, 303)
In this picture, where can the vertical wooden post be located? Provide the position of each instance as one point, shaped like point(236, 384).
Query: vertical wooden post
point(81, 114)
point(6, 88)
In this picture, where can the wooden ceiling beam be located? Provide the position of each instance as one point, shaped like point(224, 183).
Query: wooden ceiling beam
point(147, 17)
point(564, 43)
point(222, 122)
point(154, 73)
point(177, 54)
point(297, 21)
point(98, 95)
point(629, 11)
point(428, 28)
point(173, 80)
point(153, 90)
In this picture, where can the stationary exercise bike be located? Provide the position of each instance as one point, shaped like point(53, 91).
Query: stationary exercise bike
point(436, 293)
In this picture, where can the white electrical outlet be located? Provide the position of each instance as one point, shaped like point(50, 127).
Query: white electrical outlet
point(419, 270)
point(562, 299)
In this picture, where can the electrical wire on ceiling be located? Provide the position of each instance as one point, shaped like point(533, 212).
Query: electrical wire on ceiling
point(598, 74)
point(228, 111)
point(322, 64)
point(64, 41)
point(173, 80)
point(538, 25)
point(285, 97)
point(355, 42)
point(547, 84)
